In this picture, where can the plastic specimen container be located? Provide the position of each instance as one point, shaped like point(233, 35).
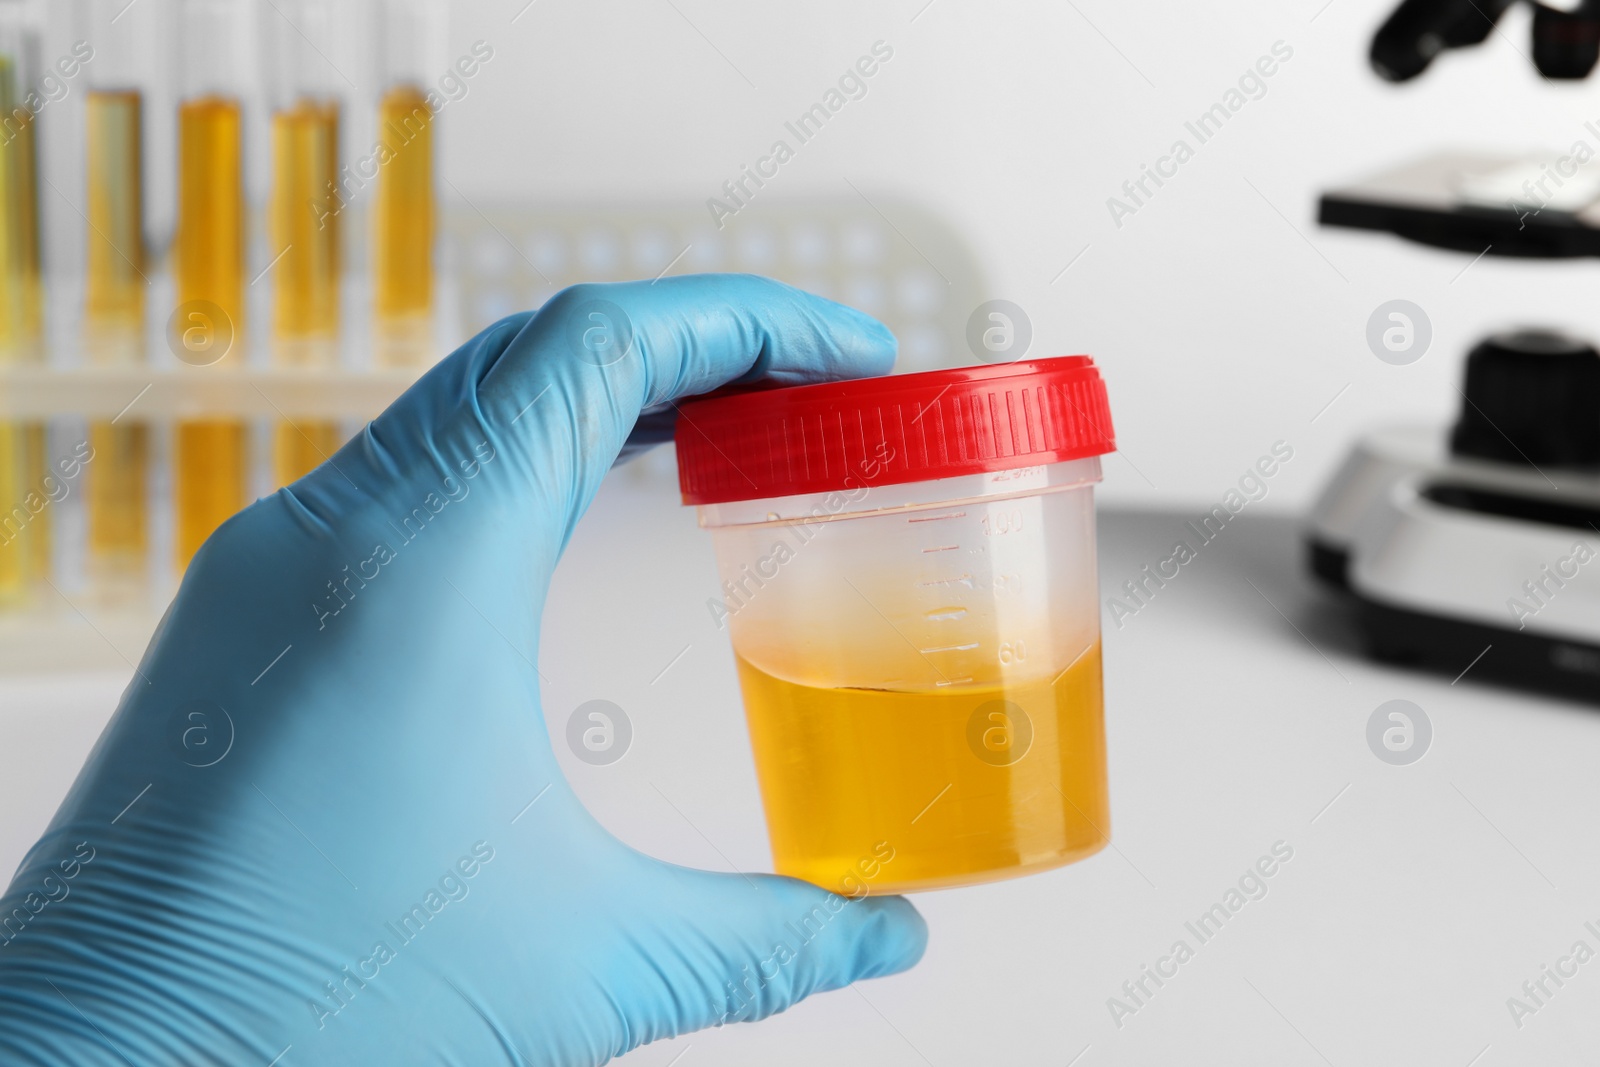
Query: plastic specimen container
point(908, 578)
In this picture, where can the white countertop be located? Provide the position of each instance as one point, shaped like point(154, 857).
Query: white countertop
point(1414, 905)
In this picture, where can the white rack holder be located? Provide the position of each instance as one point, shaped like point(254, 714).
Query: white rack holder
point(143, 393)
point(882, 255)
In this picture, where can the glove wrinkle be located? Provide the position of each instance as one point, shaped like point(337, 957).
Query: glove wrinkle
point(330, 787)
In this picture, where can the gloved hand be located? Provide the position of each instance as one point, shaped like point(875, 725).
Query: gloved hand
point(308, 826)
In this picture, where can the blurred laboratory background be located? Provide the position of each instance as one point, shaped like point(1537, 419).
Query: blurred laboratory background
point(310, 201)
point(232, 230)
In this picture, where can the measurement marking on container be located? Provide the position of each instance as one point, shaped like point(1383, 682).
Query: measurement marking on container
point(942, 548)
point(945, 614)
point(965, 579)
point(955, 681)
point(951, 648)
point(937, 518)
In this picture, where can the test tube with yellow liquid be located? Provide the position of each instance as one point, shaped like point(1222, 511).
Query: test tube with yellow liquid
point(208, 258)
point(115, 279)
point(24, 533)
point(403, 202)
point(304, 220)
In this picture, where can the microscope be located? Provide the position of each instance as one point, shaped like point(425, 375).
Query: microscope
point(1466, 551)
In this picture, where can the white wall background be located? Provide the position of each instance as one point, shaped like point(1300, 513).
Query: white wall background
point(1219, 328)
point(1224, 318)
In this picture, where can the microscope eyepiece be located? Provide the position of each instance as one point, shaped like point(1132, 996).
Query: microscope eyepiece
point(1421, 29)
point(1566, 44)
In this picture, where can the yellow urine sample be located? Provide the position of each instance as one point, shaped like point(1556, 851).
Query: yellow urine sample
point(208, 251)
point(114, 276)
point(24, 534)
point(14, 518)
point(211, 477)
point(885, 790)
point(305, 232)
point(402, 207)
point(24, 510)
point(21, 284)
point(301, 447)
point(306, 279)
point(116, 493)
point(35, 464)
point(114, 297)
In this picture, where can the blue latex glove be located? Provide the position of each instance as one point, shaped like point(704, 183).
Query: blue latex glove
point(334, 854)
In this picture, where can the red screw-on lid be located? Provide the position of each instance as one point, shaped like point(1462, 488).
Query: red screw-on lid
point(899, 428)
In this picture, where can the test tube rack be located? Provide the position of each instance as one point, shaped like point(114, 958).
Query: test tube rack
point(883, 255)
